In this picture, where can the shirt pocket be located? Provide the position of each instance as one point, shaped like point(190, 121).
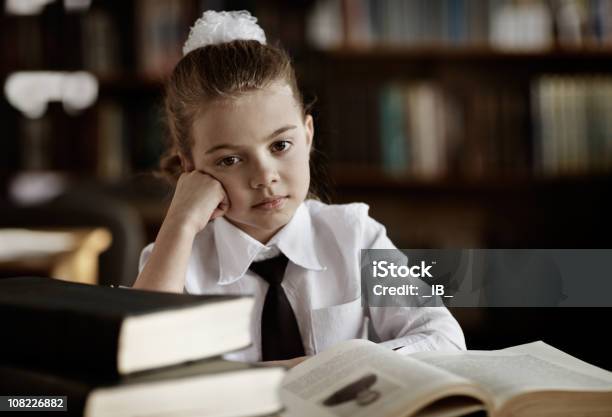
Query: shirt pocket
point(331, 325)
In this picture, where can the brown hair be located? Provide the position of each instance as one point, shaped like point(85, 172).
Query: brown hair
point(217, 72)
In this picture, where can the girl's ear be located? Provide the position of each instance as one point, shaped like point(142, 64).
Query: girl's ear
point(186, 164)
point(309, 125)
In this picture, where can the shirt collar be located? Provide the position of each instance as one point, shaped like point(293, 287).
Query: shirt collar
point(236, 249)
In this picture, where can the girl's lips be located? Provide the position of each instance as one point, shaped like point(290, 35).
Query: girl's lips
point(275, 204)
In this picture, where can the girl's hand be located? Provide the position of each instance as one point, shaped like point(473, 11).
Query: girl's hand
point(198, 198)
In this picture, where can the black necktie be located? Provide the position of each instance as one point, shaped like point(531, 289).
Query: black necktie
point(280, 335)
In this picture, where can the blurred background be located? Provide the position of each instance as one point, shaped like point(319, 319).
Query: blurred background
point(463, 123)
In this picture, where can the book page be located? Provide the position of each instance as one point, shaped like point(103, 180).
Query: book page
point(505, 374)
point(359, 378)
point(552, 354)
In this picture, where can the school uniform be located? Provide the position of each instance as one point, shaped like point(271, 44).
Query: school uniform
point(322, 281)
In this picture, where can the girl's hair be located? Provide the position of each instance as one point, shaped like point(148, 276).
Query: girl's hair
point(221, 71)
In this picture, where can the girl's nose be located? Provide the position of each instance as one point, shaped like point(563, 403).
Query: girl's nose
point(264, 175)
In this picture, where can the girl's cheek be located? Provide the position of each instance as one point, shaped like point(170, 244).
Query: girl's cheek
point(298, 156)
point(231, 189)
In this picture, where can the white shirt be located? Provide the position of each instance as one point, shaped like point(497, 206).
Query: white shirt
point(322, 281)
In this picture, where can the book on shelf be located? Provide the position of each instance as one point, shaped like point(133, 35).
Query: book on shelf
point(113, 156)
point(571, 125)
point(360, 378)
point(395, 149)
point(27, 42)
point(129, 138)
point(100, 43)
point(424, 111)
point(37, 144)
point(351, 126)
point(147, 137)
point(522, 25)
point(59, 325)
point(357, 29)
point(477, 20)
point(514, 146)
point(211, 387)
point(162, 27)
point(418, 129)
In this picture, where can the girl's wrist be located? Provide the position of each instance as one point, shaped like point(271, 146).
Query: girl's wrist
point(180, 224)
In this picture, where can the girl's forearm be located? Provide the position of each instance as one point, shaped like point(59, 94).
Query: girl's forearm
point(166, 267)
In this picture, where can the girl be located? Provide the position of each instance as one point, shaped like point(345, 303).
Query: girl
point(242, 213)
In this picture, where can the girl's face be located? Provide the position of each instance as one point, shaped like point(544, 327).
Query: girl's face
point(258, 147)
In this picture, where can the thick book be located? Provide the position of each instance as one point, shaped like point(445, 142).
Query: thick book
point(211, 387)
point(59, 325)
point(359, 378)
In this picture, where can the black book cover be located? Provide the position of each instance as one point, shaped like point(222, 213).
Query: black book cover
point(59, 325)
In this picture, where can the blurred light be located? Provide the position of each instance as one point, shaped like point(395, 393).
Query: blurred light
point(79, 90)
point(31, 91)
point(31, 7)
point(25, 7)
point(16, 244)
point(76, 5)
point(36, 187)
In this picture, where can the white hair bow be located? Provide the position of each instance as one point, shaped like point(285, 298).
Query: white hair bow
point(220, 27)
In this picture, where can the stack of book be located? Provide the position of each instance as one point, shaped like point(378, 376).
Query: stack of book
point(124, 352)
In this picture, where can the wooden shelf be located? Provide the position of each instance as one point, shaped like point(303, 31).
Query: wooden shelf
point(373, 64)
point(449, 52)
point(129, 82)
point(374, 178)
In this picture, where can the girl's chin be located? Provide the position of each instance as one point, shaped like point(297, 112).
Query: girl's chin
point(262, 225)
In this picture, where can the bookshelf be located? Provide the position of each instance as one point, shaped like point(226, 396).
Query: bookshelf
point(488, 88)
point(451, 64)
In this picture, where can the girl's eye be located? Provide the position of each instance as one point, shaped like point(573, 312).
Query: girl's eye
point(228, 161)
point(281, 145)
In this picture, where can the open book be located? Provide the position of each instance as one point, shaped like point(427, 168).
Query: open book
point(359, 378)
